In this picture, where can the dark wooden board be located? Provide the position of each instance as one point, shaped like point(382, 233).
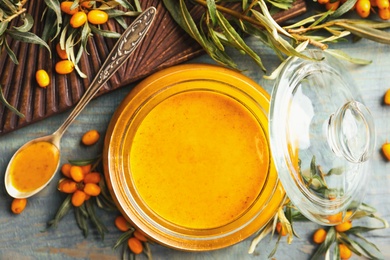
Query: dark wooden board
point(165, 45)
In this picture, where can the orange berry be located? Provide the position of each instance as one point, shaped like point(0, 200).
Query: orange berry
point(135, 245)
point(345, 226)
point(97, 16)
point(61, 52)
point(18, 205)
point(66, 7)
point(386, 150)
point(67, 186)
point(86, 168)
point(78, 198)
point(65, 169)
point(64, 67)
point(384, 14)
point(323, 2)
point(345, 252)
point(332, 5)
point(280, 229)
point(382, 4)
point(338, 218)
point(92, 189)
point(121, 223)
point(78, 19)
point(93, 177)
point(319, 236)
point(140, 236)
point(90, 137)
point(86, 4)
point(42, 78)
point(76, 172)
point(363, 7)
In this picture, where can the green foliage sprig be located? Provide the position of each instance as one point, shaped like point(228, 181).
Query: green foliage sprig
point(74, 40)
point(10, 10)
point(221, 26)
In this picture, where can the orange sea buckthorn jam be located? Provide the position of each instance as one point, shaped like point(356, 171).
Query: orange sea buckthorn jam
point(199, 159)
point(33, 166)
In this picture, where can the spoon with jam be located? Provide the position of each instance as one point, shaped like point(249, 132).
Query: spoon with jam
point(34, 165)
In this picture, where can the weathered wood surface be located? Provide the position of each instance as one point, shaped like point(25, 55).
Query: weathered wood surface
point(22, 236)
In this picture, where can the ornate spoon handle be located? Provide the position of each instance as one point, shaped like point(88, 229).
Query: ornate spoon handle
point(124, 47)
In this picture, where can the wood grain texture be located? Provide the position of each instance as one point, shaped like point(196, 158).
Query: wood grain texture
point(164, 46)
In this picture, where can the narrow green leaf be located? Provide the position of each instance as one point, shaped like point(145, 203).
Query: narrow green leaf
point(280, 5)
point(124, 237)
point(121, 21)
point(8, 105)
point(275, 247)
point(3, 27)
point(11, 54)
point(301, 47)
point(10, 6)
point(276, 40)
point(27, 37)
point(28, 23)
point(360, 247)
point(183, 18)
point(212, 11)
point(50, 29)
point(138, 5)
point(112, 13)
point(54, 5)
point(367, 32)
point(235, 39)
point(344, 56)
point(125, 4)
point(61, 212)
point(322, 18)
point(105, 33)
point(336, 170)
point(92, 215)
point(81, 221)
point(82, 162)
point(344, 8)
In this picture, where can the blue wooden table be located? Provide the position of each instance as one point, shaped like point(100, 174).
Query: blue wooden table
point(25, 236)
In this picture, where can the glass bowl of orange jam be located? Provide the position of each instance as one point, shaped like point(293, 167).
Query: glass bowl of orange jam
point(187, 158)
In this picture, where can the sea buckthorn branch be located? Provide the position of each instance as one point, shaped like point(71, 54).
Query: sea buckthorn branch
point(73, 23)
point(86, 189)
point(341, 240)
point(133, 241)
point(9, 11)
point(221, 26)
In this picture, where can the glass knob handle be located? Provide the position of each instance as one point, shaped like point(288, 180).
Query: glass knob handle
point(351, 132)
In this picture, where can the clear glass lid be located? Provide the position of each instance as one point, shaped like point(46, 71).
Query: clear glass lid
point(321, 137)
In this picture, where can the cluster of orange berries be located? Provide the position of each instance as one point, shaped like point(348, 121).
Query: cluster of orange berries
point(319, 235)
point(80, 13)
point(80, 182)
point(362, 7)
point(386, 145)
point(136, 240)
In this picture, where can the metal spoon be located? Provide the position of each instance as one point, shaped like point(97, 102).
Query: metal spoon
point(124, 47)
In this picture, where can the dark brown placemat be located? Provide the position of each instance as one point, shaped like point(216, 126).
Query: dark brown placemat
point(165, 45)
